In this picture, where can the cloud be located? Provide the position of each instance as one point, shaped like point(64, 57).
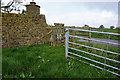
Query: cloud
point(94, 19)
point(42, 11)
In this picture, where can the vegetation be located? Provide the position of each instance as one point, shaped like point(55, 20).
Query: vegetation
point(99, 35)
point(101, 27)
point(108, 30)
point(86, 25)
point(105, 36)
point(12, 5)
point(100, 53)
point(112, 27)
point(44, 61)
point(104, 47)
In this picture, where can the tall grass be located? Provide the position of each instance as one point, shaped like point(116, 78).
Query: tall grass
point(44, 61)
point(97, 52)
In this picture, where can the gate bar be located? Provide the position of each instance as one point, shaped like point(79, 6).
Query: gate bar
point(95, 61)
point(95, 55)
point(94, 40)
point(99, 67)
point(94, 48)
point(94, 31)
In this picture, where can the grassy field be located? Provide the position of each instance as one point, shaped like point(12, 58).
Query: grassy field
point(105, 36)
point(95, 35)
point(44, 61)
point(108, 30)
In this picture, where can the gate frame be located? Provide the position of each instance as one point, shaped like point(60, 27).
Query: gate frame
point(105, 58)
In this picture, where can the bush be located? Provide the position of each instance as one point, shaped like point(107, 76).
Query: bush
point(112, 27)
point(101, 27)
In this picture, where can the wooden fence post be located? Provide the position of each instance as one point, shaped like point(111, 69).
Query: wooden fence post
point(89, 35)
point(54, 36)
point(63, 34)
point(73, 39)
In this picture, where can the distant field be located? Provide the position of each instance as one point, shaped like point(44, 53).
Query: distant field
point(44, 61)
point(95, 35)
point(105, 36)
point(109, 30)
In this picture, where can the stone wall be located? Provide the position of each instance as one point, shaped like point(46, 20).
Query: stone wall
point(21, 29)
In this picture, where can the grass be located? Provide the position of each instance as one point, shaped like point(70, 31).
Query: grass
point(95, 35)
point(99, 35)
point(0, 62)
point(108, 30)
point(44, 61)
point(105, 36)
point(100, 53)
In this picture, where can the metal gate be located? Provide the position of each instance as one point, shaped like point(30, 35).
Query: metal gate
point(106, 65)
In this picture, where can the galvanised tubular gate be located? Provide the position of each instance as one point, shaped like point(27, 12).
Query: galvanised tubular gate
point(68, 52)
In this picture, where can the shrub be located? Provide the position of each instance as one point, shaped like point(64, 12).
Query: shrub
point(101, 27)
point(112, 27)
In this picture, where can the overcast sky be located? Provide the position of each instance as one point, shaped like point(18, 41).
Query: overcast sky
point(79, 12)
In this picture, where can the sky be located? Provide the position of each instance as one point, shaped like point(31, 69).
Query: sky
point(78, 12)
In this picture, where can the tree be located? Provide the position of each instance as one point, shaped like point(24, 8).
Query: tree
point(112, 27)
point(11, 5)
point(86, 25)
point(101, 27)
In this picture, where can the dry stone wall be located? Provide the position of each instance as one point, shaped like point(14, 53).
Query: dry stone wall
point(21, 29)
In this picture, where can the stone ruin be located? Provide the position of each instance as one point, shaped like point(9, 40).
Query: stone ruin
point(24, 29)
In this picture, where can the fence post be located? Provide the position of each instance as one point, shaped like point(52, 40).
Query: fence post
point(89, 35)
point(66, 42)
point(54, 36)
point(73, 39)
point(63, 35)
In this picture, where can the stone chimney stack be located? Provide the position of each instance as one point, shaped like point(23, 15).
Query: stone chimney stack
point(32, 9)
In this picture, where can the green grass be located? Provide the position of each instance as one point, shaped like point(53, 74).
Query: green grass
point(101, 53)
point(105, 36)
point(0, 62)
point(95, 35)
point(109, 30)
point(44, 61)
